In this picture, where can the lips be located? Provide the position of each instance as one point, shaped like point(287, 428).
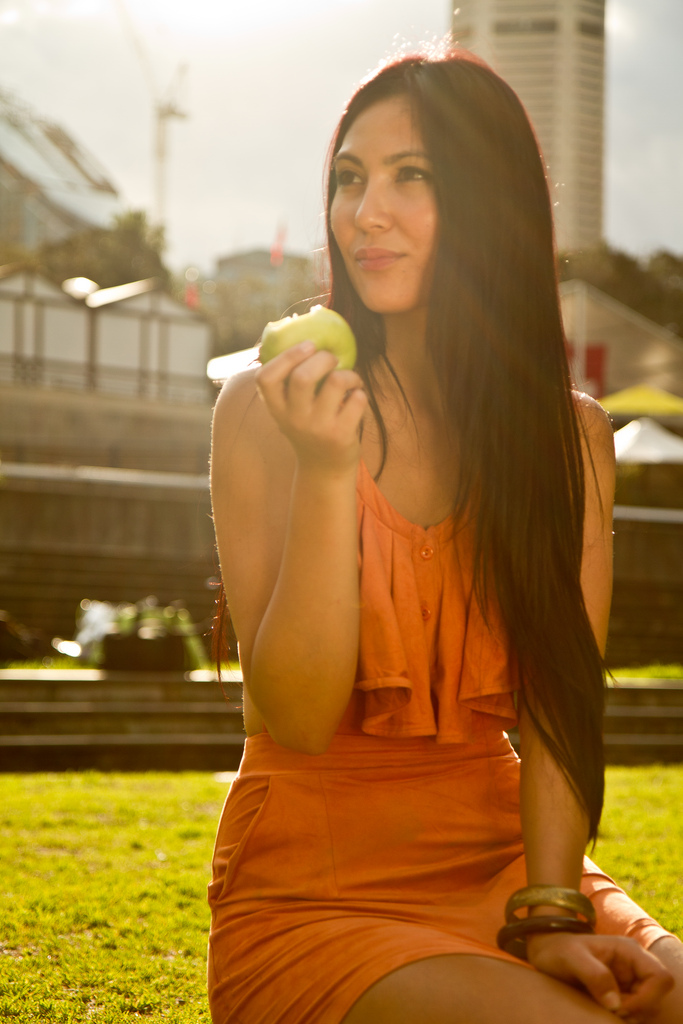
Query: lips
point(376, 259)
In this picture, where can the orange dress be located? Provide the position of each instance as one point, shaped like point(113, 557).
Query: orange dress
point(403, 840)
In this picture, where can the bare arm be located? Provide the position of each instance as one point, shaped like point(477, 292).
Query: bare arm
point(554, 824)
point(284, 497)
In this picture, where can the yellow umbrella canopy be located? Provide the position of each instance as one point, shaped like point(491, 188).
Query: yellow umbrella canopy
point(643, 400)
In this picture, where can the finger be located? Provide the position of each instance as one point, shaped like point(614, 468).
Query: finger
point(598, 980)
point(618, 973)
point(353, 410)
point(333, 390)
point(277, 369)
point(642, 978)
point(273, 379)
point(305, 381)
point(346, 380)
point(646, 994)
point(623, 971)
point(575, 959)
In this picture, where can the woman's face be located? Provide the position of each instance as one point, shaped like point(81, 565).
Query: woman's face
point(383, 214)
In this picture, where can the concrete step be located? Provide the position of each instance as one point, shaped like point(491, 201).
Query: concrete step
point(157, 718)
point(111, 739)
point(17, 685)
point(55, 719)
point(118, 707)
point(643, 721)
point(643, 718)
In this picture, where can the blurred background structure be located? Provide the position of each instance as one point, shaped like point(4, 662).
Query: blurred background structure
point(553, 56)
point(251, 288)
point(613, 347)
point(50, 186)
point(104, 399)
point(104, 432)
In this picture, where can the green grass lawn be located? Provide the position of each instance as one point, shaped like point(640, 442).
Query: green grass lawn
point(103, 912)
point(103, 895)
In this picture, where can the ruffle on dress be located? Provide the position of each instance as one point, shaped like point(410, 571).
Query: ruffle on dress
point(429, 664)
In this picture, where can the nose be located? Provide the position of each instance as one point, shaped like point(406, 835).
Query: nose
point(374, 208)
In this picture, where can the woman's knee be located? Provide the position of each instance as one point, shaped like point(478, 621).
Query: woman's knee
point(464, 989)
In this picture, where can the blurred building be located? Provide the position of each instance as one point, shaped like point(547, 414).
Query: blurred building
point(260, 265)
point(133, 340)
point(50, 186)
point(552, 54)
point(252, 288)
point(612, 347)
point(105, 413)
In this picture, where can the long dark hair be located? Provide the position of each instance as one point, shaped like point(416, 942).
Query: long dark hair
point(496, 339)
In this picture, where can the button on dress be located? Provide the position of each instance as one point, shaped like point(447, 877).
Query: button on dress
point(403, 840)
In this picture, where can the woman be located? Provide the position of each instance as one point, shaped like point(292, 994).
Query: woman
point(416, 554)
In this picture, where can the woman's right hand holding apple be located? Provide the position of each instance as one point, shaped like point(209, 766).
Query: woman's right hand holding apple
point(316, 406)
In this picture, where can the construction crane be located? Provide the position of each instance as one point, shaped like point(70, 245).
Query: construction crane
point(165, 108)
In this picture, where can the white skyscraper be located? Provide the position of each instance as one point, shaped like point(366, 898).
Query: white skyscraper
point(552, 54)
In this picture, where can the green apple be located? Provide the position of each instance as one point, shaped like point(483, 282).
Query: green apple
point(325, 328)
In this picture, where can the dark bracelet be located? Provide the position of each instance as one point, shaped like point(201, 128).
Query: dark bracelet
point(512, 937)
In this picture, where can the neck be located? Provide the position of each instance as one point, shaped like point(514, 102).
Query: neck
point(406, 347)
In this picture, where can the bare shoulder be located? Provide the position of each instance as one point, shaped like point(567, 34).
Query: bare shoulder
point(597, 441)
point(244, 435)
point(239, 415)
point(235, 397)
point(596, 427)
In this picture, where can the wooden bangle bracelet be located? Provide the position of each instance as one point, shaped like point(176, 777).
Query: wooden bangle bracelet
point(549, 896)
point(512, 937)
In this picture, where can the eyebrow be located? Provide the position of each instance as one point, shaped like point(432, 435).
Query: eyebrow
point(389, 160)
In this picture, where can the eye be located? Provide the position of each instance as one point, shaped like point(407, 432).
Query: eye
point(345, 176)
point(410, 172)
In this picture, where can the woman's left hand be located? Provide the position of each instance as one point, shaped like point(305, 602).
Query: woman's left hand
point(618, 973)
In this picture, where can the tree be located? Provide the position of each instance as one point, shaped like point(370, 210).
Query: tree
point(652, 286)
point(128, 251)
point(131, 249)
point(16, 255)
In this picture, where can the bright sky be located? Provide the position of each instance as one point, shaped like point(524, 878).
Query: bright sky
point(265, 84)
